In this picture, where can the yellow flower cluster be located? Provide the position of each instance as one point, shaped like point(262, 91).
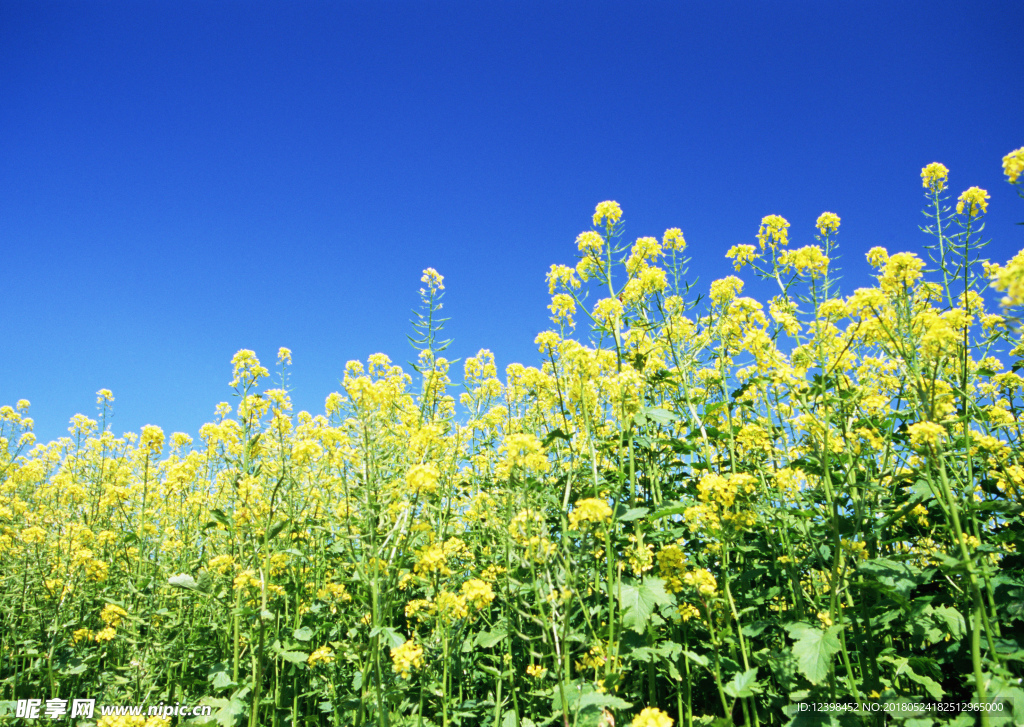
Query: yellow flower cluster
point(1013, 165)
point(525, 451)
point(1009, 278)
point(607, 211)
point(806, 260)
point(975, 200)
point(742, 255)
point(433, 280)
point(673, 239)
point(126, 720)
point(827, 223)
point(926, 435)
point(672, 566)
point(112, 614)
point(406, 657)
point(422, 479)
point(900, 272)
point(323, 655)
point(589, 243)
point(651, 717)
point(725, 290)
point(702, 580)
point(773, 232)
point(934, 176)
point(478, 592)
point(592, 510)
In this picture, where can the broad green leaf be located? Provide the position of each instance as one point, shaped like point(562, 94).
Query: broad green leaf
point(634, 514)
point(743, 684)
point(391, 637)
point(221, 680)
point(276, 529)
point(657, 415)
point(295, 657)
point(183, 581)
point(929, 684)
point(698, 659)
point(814, 649)
point(668, 512)
point(303, 634)
point(599, 699)
point(639, 602)
point(953, 620)
point(487, 639)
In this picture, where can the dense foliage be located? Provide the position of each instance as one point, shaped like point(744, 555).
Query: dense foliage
point(705, 511)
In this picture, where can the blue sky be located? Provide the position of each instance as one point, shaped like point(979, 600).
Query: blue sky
point(179, 180)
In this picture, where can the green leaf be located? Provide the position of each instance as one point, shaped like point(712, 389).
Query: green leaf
point(600, 699)
point(303, 634)
point(219, 515)
point(183, 581)
point(814, 649)
point(391, 637)
point(668, 512)
point(634, 514)
point(487, 639)
point(221, 680)
point(953, 620)
point(929, 684)
point(276, 529)
point(227, 712)
point(78, 668)
point(656, 415)
point(295, 657)
point(638, 602)
point(553, 435)
point(698, 659)
point(743, 684)
point(897, 578)
point(810, 718)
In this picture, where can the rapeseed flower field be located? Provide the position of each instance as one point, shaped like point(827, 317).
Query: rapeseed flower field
point(701, 509)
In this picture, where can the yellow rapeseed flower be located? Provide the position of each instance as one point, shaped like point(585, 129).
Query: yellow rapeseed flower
point(478, 592)
point(724, 290)
point(934, 177)
point(926, 435)
point(590, 510)
point(976, 201)
point(589, 243)
point(828, 222)
point(901, 270)
point(651, 717)
point(112, 614)
point(773, 231)
point(406, 657)
point(433, 280)
point(1009, 278)
point(673, 239)
point(742, 255)
point(324, 655)
point(608, 211)
point(1013, 165)
point(422, 479)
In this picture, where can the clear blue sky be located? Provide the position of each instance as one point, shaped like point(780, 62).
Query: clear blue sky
point(179, 180)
